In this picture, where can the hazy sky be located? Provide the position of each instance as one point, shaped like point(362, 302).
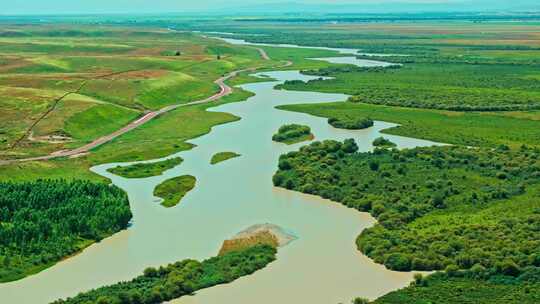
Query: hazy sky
point(153, 6)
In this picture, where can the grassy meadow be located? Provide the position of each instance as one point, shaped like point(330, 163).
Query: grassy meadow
point(65, 87)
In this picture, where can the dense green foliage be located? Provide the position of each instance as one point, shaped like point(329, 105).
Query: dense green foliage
point(44, 221)
point(141, 170)
point(383, 143)
point(437, 207)
point(179, 279)
point(441, 85)
point(476, 286)
point(350, 122)
point(222, 156)
point(174, 189)
point(293, 133)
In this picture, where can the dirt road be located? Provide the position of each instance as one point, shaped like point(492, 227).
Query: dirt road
point(224, 91)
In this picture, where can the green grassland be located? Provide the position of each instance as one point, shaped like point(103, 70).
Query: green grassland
point(141, 170)
point(173, 190)
point(222, 156)
point(114, 73)
point(158, 138)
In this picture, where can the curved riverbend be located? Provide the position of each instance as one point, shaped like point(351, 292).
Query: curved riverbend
point(321, 266)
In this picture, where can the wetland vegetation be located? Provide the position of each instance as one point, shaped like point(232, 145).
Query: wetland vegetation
point(469, 212)
point(223, 156)
point(173, 190)
point(166, 283)
point(141, 170)
point(438, 208)
point(292, 134)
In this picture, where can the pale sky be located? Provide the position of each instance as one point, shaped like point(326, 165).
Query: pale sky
point(171, 6)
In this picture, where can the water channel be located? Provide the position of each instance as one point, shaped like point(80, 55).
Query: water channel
point(321, 266)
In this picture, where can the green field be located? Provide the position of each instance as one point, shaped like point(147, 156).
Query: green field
point(109, 76)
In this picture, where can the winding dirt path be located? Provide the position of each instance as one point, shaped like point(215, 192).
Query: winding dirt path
point(224, 91)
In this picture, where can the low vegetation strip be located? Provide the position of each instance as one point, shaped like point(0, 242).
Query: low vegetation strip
point(181, 278)
point(45, 221)
point(443, 85)
point(467, 128)
point(173, 190)
point(142, 170)
point(292, 134)
point(223, 156)
point(438, 208)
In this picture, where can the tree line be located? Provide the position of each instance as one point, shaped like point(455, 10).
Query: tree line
point(43, 221)
point(157, 285)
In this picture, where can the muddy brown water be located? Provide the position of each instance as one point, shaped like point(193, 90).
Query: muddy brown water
point(321, 266)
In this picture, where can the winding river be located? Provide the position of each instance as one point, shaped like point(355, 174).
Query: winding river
point(321, 266)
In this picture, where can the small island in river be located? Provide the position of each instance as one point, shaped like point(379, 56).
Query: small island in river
point(174, 189)
point(292, 134)
point(223, 156)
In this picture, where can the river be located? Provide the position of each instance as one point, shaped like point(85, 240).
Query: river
point(321, 266)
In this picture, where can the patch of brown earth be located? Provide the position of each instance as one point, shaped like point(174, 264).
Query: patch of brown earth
point(261, 234)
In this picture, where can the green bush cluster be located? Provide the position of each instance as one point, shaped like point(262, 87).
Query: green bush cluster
point(292, 133)
point(437, 207)
point(477, 285)
point(351, 123)
point(383, 142)
point(44, 221)
point(179, 279)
